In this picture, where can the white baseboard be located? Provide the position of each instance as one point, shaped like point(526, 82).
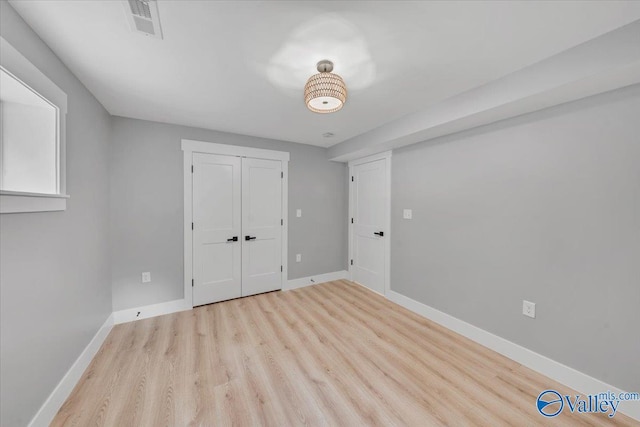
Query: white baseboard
point(56, 399)
point(153, 310)
point(314, 280)
point(557, 371)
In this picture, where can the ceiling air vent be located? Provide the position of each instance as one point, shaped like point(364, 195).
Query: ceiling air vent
point(143, 17)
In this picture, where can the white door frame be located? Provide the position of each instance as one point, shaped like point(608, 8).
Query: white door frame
point(387, 196)
point(188, 148)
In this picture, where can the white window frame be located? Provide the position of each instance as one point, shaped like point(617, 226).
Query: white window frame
point(23, 70)
point(188, 148)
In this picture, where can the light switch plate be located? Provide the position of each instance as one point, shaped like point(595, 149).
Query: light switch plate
point(298, 257)
point(299, 213)
point(146, 277)
point(529, 308)
point(407, 214)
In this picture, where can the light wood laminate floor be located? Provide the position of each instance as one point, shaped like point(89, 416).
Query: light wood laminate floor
point(330, 354)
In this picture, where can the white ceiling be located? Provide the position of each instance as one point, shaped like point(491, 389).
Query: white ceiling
point(241, 66)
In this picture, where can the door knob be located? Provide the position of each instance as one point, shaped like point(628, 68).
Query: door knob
point(249, 238)
point(233, 239)
point(381, 233)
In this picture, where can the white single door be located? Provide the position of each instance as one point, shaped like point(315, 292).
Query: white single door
point(261, 226)
point(369, 212)
point(217, 263)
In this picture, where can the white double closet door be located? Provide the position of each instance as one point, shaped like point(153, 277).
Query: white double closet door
point(237, 227)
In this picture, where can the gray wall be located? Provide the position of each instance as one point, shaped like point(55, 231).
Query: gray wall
point(55, 288)
point(545, 207)
point(147, 208)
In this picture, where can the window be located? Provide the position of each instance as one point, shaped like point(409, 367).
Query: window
point(28, 139)
point(32, 123)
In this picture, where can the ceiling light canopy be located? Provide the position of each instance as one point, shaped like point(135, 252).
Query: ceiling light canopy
point(325, 92)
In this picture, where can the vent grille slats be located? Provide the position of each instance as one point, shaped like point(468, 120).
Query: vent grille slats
point(140, 8)
point(144, 25)
point(143, 17)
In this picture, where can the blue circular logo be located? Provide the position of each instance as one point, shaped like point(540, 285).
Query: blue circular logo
point(550, 403)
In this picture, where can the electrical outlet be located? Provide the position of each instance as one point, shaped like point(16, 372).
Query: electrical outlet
point(407, 214)
point(529, 308)
point(146, 277)
point(298, 257)
point(299, 213)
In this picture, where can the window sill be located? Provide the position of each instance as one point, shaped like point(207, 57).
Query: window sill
point(19, 202)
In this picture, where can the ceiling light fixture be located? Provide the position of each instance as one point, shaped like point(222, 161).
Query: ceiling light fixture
point(325, 92)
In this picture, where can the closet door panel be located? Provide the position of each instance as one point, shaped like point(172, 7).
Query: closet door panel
point(217, 263)
point(261, 226)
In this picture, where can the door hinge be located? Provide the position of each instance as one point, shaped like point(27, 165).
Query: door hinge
point(351, 262)
point(281, 174)
point(281, 269)
point(192, 226)
point(351, 220)
point(191, 168)
point(282, 222)
point(351, 178)
point(192, 283)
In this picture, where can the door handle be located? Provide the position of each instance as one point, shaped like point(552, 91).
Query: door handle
point(233, 239)
point(249, 238)
point(381, 233)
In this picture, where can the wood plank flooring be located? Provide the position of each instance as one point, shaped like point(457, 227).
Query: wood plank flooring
point(330, 354)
